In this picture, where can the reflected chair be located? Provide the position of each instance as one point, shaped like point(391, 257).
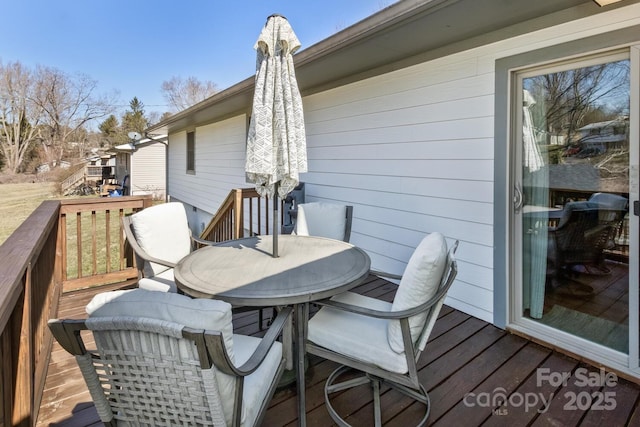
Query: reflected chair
point(585, 230)
point(612, 205)
point(324, 220)
point(160, 237)
point(609, 201)
point(379, 341)
point(164, 359)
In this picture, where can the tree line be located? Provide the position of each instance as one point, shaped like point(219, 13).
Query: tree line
point(47, 115)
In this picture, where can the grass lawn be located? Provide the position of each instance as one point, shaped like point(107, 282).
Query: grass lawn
point(18, 201)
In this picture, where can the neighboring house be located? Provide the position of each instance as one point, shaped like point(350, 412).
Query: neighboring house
point(603, 136)
point(410, 117)
point(144, 162)
point(101, 169)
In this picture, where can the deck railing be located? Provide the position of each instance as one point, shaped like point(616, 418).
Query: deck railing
point(79, 176)
point(67, 245)
point(62, 246)
point(242, 214)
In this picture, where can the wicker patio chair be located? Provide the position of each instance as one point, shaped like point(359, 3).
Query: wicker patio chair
point(383, 341)
point(164, 359)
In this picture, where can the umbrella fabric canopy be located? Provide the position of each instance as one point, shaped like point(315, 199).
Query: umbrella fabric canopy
point(276, 144)
point(532, 157)
point(535, 243)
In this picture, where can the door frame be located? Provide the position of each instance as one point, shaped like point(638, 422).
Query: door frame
point(506, 312)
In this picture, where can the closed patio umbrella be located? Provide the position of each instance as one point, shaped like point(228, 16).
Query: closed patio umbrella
point(276, 143)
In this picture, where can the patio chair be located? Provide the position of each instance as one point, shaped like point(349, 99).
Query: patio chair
point(585, 230)
point(324, 220)
point(122, 190)
point(164, 359)
point(383, 341)
point(160, 237)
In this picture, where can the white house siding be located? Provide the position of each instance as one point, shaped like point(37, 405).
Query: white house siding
point(411, 150)
point(219, 164)
point(148, 170)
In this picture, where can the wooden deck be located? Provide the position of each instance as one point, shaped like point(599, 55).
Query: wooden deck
point(467, 366)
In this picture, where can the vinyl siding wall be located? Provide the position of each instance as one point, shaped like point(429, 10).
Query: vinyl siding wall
point(148, 170)
point(412, 151)
point(220, 153)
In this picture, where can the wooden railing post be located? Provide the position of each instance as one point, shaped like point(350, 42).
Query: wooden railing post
point(238, 211)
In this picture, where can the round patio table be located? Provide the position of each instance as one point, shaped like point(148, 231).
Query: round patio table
point(244, 273)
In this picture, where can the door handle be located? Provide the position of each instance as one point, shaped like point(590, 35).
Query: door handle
point(517, 198)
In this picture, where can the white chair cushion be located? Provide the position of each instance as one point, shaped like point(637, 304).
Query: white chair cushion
point(205, 314)
point(360, 337)
point(163, 232)
point(256, 385)
point(163, 282)
point(322, 220)
point(419, 283)
point(208, 314)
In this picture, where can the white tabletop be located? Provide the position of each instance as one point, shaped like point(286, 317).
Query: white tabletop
point(244, 273)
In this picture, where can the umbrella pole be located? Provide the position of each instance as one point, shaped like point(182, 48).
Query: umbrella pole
point(275, 220)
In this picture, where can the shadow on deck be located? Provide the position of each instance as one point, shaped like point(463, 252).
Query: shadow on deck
point(468, 368)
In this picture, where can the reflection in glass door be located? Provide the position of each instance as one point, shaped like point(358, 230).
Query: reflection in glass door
point(573, 190)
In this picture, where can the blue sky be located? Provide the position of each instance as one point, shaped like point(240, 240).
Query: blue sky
point(132, 46)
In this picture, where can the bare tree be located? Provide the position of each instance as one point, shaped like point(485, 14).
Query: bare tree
point(68, 104)
point(183, 93)
point(20, 116)
point(566, 99)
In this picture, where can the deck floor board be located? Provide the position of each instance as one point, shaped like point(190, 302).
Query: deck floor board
point(465, 355)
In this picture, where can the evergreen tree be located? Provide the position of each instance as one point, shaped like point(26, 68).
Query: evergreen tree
point(134, 119)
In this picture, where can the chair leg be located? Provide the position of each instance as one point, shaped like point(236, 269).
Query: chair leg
point(420, 395)
point(377, 417)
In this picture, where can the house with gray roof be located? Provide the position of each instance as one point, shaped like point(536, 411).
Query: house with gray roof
point(412, 117)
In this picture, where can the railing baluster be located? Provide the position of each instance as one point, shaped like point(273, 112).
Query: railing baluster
point(79, 243)
point(107, 238)
point(121, 241)
point(63, 245)
point(94, 238)
point(266, 215)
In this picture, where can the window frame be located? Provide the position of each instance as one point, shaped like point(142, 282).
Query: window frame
point(191, 152)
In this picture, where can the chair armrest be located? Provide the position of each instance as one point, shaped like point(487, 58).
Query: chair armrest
point(215, 346)
point(67, 333)
point(267, 342)
point(203, 242)
point(145, 256)
point(385, 274)
point(403, 314)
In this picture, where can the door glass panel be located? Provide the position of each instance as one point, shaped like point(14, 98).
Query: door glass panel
point(574, 167)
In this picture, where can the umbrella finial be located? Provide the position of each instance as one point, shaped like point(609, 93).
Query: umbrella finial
point(275, 15)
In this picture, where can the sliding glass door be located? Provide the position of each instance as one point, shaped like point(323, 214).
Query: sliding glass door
point(574, 155)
